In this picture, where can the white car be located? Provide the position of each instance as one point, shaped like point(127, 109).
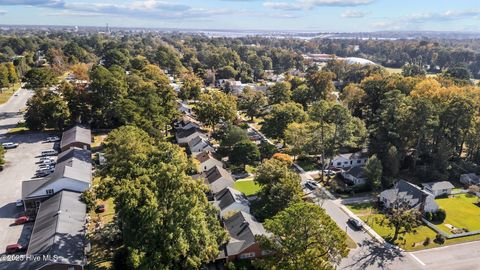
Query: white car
point(48, 162)
point(45, 166)
point(53, 139)
point(9, 145)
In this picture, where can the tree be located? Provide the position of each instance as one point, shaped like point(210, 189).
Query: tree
point(303, 237)
point(352, 96)
point(37, 78)
point(279, 93)
point(12, 73)
point(244, 153)
point(252, 102)
point(226, 72)
point(298, 137)
point(2, 157)
point(401, 217)
point(280, 116)
point(80, 71)
point(216, 107)
point(46, 109)
point(392, 162)
point(373, 172)
point(191, 87)
point(458, 72)
point(320, 84)
point(167, 221)
point(4, 82)
point(229, 136)
point(115, 57)
point(412, 70)
point(280, 187)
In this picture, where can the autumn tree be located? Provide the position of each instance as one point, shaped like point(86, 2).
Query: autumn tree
point(320, 84)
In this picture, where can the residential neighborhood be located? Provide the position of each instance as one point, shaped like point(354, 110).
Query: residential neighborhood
point(128, 146)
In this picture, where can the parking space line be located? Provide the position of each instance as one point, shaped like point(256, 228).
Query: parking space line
point(417, 259)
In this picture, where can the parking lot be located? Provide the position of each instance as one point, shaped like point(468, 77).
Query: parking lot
point(20, 165)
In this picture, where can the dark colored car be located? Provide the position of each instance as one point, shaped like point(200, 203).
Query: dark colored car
point(14, 248)
point(355, 223)
point(311, 185)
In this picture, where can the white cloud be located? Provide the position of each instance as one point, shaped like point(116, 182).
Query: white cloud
point(310, 4)
point(353, 14)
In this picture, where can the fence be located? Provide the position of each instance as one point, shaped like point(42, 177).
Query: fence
point(444, 234)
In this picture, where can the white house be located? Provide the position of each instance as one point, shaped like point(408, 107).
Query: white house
point(230, 200)
point(350, 159)
point(355, 176)
point(438, 188)
point(413, 195)
point(183, 136)
point(207, 161)
point(199, 144)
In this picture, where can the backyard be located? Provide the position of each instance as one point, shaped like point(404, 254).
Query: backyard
point(408, 241)
point(462, 212)
point(248, 186)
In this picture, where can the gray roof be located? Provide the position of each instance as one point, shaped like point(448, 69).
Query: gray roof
point(242, 228)
point(77, 153)
point(31, 185)
point(216, 173)
point(438, 185)
point(228, 196)
point(183, 133)
point(407, 191)
point(59, 229)
point(356, 155)
point(76, 134)
point(76, 167)
point(357, 172)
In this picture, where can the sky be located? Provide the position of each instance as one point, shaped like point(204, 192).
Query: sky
point(298, 15)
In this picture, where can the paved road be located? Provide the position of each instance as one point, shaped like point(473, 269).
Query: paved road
point(10, 113)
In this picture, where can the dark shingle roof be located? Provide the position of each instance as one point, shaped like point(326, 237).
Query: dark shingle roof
point(77, 153)
point(242, 228)
point(358, 172)
point(405, 191)
point(76, 134)
point(59, 229)
point(183, 133)
point(228, 196)
point(204, 156)
point(216, 173)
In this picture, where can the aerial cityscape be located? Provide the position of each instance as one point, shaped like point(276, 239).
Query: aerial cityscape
point(239, 135)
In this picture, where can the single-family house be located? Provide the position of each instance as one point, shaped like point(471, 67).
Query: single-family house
point(408, 193)
point(72, 173)
point(198, 145)
point(217, 178)
point(354, 176)
point(350, 159)
point(441, 188)
point(186, 122)
point(243, 228)
point(58, 235)
point(183, 136)
point(207, 161)
point(185, 108)
point(76, 137)
point(230, 200)
point(470, 179)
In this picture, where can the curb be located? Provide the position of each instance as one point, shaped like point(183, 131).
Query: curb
point(367, 228)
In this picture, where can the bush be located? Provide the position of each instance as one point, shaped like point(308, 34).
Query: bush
point(428, 216)
point(427, 241)
point(439, 239)
point(440, 215)
point(89, 197)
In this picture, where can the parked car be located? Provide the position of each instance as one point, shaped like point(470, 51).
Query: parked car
point(22, 220)
point(14, 248)
point(355, 223)
point(9, 145)
point(46, 167)
point(19, 203)
point(50, 152)
point(46, 158)
point(43, 173)
point(48, 162)
point(312, 185)
point(53, 139)
point(100, 208)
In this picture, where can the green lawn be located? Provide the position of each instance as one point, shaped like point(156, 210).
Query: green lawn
point(21, 127)
point(462, 212)
point(7, 93)
point(247, 186)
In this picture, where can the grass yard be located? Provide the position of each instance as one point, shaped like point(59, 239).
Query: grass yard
point(20, 128)
point(247, 186)
point(462, 212)
point(7, 93)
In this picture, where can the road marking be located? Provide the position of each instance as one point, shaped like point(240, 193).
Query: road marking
point(417, 259)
